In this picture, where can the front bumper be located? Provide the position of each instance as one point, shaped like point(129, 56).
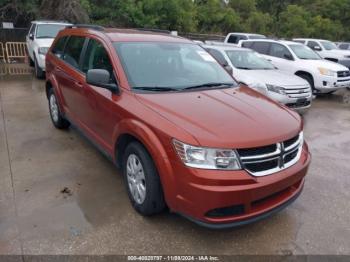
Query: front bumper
point(327, 84)
point(202, 191)
point(41, 61)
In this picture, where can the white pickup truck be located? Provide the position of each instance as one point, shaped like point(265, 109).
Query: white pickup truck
point(235, 38)
point(39, 39)
point(323, 76)
point(327, 50)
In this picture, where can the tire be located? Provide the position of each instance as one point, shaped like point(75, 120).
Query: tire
point(30, 62)
point(310, 80)
point(39, 73)
point(348, 88)
point(55, 113)
point(143, 185)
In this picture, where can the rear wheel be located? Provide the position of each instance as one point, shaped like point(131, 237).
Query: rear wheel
point(142, 180)
point(56, 116)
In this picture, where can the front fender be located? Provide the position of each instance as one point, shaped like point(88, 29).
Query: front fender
point(54, 84)
point(152, 143)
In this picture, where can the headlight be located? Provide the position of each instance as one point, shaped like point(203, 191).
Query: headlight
point(326, 72)
point(207, 158)
point(259, 87)
point(276, 89)
point(43, 50)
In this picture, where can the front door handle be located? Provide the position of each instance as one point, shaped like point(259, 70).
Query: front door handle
point(79, 84)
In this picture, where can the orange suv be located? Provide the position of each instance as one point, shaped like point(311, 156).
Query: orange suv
point(182, 131)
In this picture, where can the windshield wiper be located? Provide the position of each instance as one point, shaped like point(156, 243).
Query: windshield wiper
point(245, 68)
point(209, 85)
point(155, 88)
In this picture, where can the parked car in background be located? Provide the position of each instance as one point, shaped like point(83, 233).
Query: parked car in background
point(38, 40)
point(323, 76)
point(344, 45)
point(327, 50)
point(251, 69)
point(235, 38)
point(184, 134)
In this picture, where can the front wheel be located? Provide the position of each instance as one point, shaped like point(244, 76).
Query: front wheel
point(142, 180)
point(56, 116)
point(310, 80)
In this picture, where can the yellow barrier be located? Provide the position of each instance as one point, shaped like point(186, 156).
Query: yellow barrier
point(15, 50)
point(2, 52)
point(3, 70)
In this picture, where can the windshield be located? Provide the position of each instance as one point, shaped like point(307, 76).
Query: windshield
point(48, 30)
point(305, 53)
point(328, 45)
point(249, 60)
point(155, 66)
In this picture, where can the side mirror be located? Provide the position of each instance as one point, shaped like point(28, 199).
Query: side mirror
point(31, 36)
point(288, 56)
point(317, 48)
point(100, 78)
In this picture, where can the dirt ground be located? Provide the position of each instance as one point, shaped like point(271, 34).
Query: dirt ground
point(59, 195)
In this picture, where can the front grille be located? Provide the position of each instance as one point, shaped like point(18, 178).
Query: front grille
point(302, 92)
point(343, 73)
point(257, 151)
point(269, 159)
point(226, 211)
point(299, 104)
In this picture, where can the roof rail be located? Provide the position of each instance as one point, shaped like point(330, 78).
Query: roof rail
point(88, 26)
point(50, 21)
point(154, 30)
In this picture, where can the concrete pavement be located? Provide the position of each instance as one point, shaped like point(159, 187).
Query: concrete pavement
point(93, 215)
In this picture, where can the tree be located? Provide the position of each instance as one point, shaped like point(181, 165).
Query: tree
point(69, 10)
point(294, 22)
point(215, 17)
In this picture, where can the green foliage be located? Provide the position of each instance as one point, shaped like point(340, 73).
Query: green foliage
point(328, 19)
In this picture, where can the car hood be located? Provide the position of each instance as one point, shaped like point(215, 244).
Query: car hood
point(271, 77)
point(44, 42)
point(324, 63)
point(339, 53)
point(226, 118)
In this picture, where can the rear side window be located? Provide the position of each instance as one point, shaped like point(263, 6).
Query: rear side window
point(312, 44)
point(299, 41)
point(96, 57)
point(218, 56)
point(73, 50)
point(280, 51)
point(233, 39)
point(58, 48)
point(247, 44)
point(261, 47)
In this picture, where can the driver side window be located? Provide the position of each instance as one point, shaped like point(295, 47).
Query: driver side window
point(280, 51)
point(96, 57)
point(313, 44)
